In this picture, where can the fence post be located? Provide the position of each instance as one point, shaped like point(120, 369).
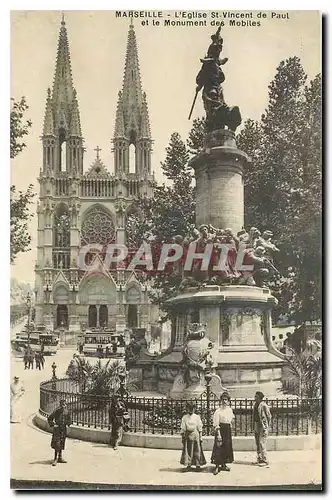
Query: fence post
point(208, 378)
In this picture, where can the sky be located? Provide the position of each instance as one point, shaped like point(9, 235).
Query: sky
point(169, 62)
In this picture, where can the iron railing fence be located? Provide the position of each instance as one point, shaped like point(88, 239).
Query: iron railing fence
point(290, 416)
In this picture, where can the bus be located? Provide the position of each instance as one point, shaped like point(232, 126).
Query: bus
point(104, 344)
point(46, 342)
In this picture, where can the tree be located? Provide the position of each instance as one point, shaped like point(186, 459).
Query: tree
point(196, 136)
point(99, 379)
point(306, 371)
point(283, 185)
point(170, 212)
point(19, 202)
point(18, 127)
point(19, 217)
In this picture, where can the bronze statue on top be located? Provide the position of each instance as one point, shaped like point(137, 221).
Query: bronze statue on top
point(210, 78)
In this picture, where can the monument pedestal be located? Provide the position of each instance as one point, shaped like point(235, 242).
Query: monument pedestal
point(238, 322)
point(219, 183)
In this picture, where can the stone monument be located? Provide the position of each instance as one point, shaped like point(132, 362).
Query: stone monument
point(235, 306)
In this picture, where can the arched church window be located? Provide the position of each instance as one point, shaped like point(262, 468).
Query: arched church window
point(61, 238)
point(132, 158)
point(134, 230)
point(97, 227)
point(61, 226)
point(62, 151)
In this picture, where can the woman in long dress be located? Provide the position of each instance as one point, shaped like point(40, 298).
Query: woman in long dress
point(191, 430)
point(16, 392)
point(222, 452)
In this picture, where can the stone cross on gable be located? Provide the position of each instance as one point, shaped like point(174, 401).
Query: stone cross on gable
point(97, 151)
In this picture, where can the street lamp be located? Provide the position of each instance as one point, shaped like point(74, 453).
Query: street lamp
point(28, 301)
point(208, 378)
point(54, 377)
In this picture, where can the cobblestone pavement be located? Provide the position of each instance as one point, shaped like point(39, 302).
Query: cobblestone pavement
point(98, 464)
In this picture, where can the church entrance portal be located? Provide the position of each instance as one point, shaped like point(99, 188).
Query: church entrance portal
point(92, 322)
point(132, 316)
point(62, 316)
point(103, 316)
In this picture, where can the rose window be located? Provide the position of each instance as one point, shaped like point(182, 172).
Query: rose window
point(98, 227)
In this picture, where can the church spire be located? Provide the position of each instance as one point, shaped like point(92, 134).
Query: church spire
point(48, 128)
point(63, 88)
point(132, 124)
point(132, 88)
point(119, 121)
point(62, 117)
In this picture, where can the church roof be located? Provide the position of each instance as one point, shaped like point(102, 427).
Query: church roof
point(97, 170)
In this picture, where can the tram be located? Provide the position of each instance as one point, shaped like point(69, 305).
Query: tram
point(39, 341)
point(103, 344)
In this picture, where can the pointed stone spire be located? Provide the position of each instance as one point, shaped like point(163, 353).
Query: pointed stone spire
point(48, 128)
point(145, 124)
point(63, 89)
point(132, 88)
point(132, 125)
point(75, 121)
point(119, 130)
point(62, 117)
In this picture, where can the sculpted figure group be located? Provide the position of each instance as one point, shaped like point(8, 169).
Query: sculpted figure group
point(251, 248)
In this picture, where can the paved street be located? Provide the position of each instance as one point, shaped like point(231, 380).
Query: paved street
point(97, 464)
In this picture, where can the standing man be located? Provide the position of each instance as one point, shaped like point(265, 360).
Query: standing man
point(117, 412)
point(41, 359)
point(26, 357)
point(58, 421)
point(31, 358)
point(261, 420)
point(37, 360)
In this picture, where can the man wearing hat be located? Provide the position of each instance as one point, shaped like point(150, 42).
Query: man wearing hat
point(261, 421)
point(58, 421)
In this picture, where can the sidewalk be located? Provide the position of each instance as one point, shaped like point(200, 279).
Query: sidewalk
point(94, 465)
point(18, 327)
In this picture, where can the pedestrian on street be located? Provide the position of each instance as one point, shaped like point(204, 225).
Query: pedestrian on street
point(261, 420)
point(26, 358)
point(191, 430)
point(16, 392)
point(37, 361)
point(59, 420)
point(222, 452)
point(42, 359)
point(117, 413)
point(31, 357)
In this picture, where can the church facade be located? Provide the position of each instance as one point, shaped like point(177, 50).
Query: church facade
point(91, 208)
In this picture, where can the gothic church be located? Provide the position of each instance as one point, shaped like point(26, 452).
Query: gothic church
point(78, 208)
